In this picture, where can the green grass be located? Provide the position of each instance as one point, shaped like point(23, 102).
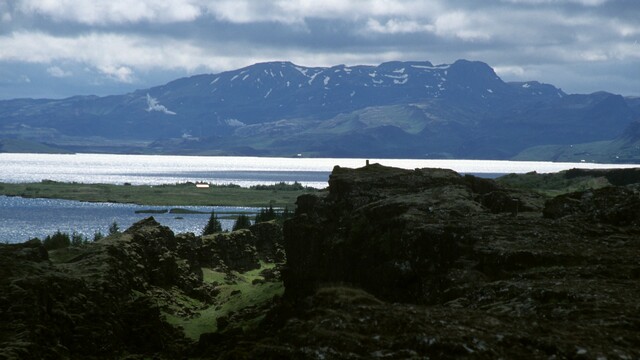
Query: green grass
point(161, 195)
point(227, 301)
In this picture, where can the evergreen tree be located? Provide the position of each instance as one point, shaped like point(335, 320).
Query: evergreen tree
point(213, 225)
point(114, 228)
point(57, 241)
point(243, 222)
point(266, 214)
point(286, 213)
point(77, 239)
point(97, 236)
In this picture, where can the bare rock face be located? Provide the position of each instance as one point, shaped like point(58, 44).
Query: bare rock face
point(467, 281)
point(394, 232)
point(233, 251)
point(269, 241)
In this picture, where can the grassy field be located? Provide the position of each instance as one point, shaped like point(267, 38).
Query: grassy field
point(158, 195)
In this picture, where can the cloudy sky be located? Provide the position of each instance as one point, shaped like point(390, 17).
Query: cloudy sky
point(59, 48)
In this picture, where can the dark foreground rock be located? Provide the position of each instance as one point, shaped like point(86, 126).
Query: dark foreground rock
point(388, 263)
point(127, 295)
point(481, 283)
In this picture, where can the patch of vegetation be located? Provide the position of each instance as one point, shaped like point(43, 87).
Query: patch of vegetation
point(238, 293)
point(186, 194)
point(57, 241)
point(268, 214)
point(282, 186)
point(552, 184)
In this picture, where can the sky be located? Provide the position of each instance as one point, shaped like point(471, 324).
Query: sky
point(61, 48)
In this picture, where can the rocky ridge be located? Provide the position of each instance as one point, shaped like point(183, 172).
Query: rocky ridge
point(426, 263)
point(126, 295)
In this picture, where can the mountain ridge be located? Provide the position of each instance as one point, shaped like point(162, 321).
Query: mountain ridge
point(461, 109)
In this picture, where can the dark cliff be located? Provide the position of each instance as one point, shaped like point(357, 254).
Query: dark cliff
point(430, 264)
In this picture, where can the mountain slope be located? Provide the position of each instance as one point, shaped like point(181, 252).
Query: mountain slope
point(406, 109)
point(623, 149)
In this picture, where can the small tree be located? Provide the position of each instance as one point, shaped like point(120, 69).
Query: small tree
point(213, 225)
point(286, 214)
point(243, 222)
point(77, 239)
point(57, 241)
point(266, 214)
point(114, 228)
point(97, 236)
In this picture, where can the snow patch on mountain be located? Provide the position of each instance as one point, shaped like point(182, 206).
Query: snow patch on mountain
point(154, 105)
point(234, 123)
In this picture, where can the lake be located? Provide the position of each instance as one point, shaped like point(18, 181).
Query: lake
point(244, 171)
point(22, 219)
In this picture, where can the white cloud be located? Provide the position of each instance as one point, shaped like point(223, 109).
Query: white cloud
point(461, 25)
point(56, 71)
point(394, 26)
point(297, 11)
point(118, 73)
point(539, 2)
point(101, 12)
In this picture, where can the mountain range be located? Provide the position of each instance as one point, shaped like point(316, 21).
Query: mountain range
point(396, 109)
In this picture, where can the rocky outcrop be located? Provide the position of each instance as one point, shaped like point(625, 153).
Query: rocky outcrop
point(394, 232)
point(431, 269)
point(388, 263)
point(233, 251)
point(86, 307)
point(269, 240)
point(618, 206)
point(111, 298)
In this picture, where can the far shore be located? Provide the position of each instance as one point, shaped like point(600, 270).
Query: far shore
point(186, 194)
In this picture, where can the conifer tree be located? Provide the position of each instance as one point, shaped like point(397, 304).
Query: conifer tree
point(242, 222)
point(213, 225)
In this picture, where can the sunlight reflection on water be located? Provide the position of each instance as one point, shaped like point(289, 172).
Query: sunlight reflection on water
point(244, 171)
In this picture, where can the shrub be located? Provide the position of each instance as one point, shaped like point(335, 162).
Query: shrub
point(58, 240)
